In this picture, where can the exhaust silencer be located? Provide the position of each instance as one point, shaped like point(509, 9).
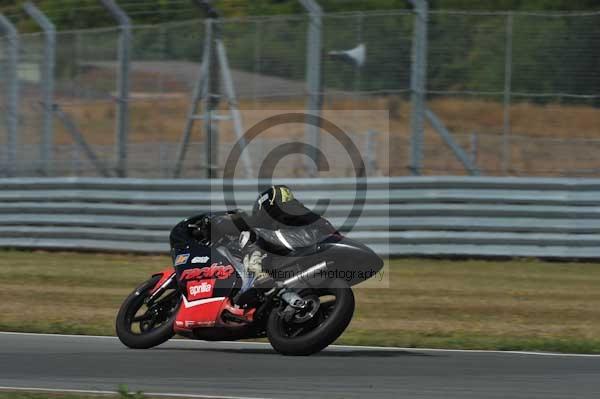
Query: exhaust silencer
point(306, 277)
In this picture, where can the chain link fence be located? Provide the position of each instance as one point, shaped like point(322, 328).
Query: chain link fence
point(518, 92)
point(526, 85)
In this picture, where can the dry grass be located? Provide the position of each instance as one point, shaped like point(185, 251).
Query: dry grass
point(516, 305)
point(550, 120)
point(460, 304)
point(36, 395)
point(68, 292)
point(162, 120)
point(122, 393)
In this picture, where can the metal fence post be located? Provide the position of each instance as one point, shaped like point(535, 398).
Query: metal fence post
point(418, 81)
point(313, 78)
point(201, 93)
point(359, 39)
point(371, 152)
point(474, 147)
point(257, 58)
point(211, 101)
point(506, 156)
point(12, 93)
point(47, 82)
point(445, 134)
point(164, 50)
point(122, 85)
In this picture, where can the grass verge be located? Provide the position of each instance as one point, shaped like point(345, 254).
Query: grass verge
point(38, 395)
point(121, 393)
point(505, 305)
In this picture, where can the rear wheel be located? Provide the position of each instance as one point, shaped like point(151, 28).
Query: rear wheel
point(304, 332)
point(141, 323)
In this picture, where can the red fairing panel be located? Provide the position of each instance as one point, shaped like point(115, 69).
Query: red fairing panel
point(198, 313)
point(165, 275)
point(207, 313)
point(247, 314)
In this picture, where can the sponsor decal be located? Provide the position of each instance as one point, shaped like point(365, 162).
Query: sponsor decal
point(193, 323)
point(213, 271)
point(200, 289)
point(200, 259)
point(179, 323)
point(181, 259)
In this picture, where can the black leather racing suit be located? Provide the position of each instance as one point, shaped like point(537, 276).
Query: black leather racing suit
point(279, 225)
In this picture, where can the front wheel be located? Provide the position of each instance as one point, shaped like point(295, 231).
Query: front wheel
point(142, 324)
point(329, 311)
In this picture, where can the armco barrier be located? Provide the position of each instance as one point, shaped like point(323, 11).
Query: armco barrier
point(446, 216)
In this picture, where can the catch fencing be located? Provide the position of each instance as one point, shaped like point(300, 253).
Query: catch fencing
point(526, 85)
point(402, 216)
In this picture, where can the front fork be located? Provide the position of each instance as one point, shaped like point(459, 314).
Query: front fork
point(166, 279)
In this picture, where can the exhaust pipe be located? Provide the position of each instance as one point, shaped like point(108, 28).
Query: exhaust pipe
point(286, 288)
point(306, 275)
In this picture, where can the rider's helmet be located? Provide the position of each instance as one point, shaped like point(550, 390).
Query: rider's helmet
point(273, 200)
point(279, 204)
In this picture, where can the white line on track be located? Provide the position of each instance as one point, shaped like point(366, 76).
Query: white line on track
point(94, 392)
point(359, 347)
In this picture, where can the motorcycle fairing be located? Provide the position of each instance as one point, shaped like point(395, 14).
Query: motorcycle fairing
point(200, 313)
point(344, 257)
point(165, 275)
point(206, 287)
point(207, 313)
point(212, 269)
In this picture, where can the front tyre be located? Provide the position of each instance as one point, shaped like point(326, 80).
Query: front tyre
point(309, 331)
point(141, 324)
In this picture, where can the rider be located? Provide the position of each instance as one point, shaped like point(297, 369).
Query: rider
point(278, 225)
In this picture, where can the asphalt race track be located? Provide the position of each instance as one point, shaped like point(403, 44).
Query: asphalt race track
point(253, 370)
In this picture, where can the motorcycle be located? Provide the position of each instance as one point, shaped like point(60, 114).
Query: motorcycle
point(307, 307)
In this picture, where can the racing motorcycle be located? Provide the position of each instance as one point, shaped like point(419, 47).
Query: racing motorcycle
point(307, 306)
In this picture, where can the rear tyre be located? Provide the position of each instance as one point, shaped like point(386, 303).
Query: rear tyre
point(140, 325)
point(307, 333)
